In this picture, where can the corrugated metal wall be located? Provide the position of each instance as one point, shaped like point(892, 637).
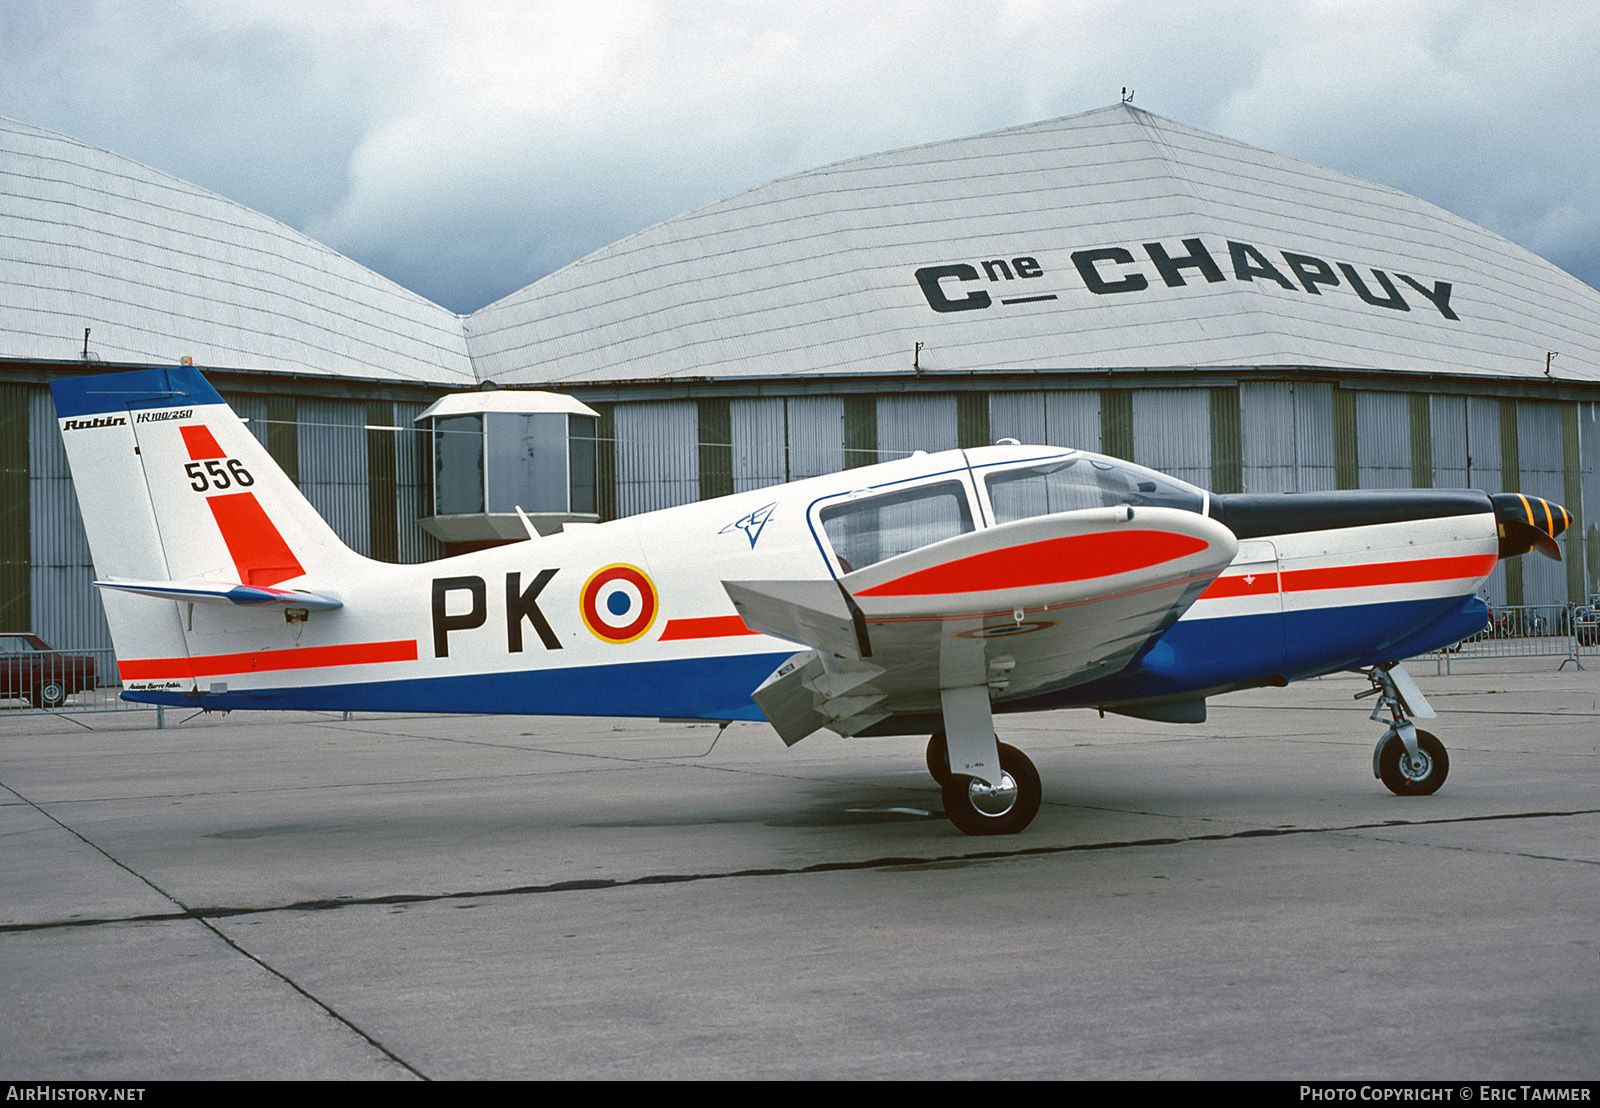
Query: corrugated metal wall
point(816, 436)
point(413, 544)
point(1269, 437)
point(333, 467)
point(1289, 436)
point(1539, 455)
point(911, 422)
point(1449, 434)
point(66, 610)
point(1256, 437)
point(760, 457)
point(1383, 440)
point(1172, 432)
point(657, 455)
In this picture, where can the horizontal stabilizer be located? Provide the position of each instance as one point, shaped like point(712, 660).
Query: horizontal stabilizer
point(225, 592)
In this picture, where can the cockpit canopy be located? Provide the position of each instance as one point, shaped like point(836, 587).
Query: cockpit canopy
point(1084, 481)
point(866, 529)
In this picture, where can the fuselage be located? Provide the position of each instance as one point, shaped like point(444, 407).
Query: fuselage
point(631, 617)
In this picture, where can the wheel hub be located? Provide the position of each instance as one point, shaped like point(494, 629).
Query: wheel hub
point(993, 800)
point(1416, 768)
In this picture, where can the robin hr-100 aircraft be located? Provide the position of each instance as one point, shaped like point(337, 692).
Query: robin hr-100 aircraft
point(917, 596)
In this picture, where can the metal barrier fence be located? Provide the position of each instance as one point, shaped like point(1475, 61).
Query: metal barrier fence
point(1568, 632)
point(33, 679)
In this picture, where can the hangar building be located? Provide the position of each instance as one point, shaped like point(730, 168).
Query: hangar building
point(1111, 280)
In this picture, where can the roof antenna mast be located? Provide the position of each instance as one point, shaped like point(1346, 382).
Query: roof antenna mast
point(1127, 95)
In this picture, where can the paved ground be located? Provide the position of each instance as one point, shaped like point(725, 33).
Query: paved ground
point(452, 897)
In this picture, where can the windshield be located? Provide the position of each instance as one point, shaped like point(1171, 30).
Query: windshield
point(1072, 484)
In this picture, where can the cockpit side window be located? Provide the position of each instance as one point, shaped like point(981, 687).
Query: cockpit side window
point(1081, 482)
point(872, 528)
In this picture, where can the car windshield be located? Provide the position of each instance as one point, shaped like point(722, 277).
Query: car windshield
point(17, 644)
point(1078, 482)
point(872, 528)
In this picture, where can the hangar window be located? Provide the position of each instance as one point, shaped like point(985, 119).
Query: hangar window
point(491, 458)
point(1083, 481)
point(457, 469)
point(872, 528)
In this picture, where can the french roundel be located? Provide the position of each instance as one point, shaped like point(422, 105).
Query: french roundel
point(618, 603)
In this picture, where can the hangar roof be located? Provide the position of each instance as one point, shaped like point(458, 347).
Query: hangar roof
point(1110, 239)
point(1114, 238)
point(159, 268)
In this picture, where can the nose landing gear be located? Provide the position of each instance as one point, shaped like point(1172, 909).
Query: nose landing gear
point(1408, 761)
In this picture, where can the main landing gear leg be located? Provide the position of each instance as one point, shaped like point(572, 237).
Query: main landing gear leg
point(989, 788)
point(1409, 761)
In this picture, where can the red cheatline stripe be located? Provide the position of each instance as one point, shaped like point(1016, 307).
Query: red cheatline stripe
point(1353, 577)
point(1389, 573)
point(1048, 562)
point(264, 661)
point(1254, 584)
point(705, 627)
point(258, 550)
point(201, 442)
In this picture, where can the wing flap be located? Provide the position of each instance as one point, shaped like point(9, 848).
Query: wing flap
point(813, 613)
point(804, 696)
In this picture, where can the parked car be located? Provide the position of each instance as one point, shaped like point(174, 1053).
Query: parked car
point(31, 670)
point(1586, 622)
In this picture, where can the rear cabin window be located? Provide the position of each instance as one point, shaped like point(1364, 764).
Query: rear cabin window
point(873, 528)
point(1073, 484)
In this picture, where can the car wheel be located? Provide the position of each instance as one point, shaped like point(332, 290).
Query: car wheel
point(51, 694)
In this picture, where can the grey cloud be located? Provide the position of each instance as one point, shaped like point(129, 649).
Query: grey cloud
point(406, 136)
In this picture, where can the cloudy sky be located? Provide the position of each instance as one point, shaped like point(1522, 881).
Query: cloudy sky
point(467, 147)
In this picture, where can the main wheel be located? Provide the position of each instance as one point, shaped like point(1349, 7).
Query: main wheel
point(939, 758)
point(977, 809)
point(1420, 778)
point(50, 694)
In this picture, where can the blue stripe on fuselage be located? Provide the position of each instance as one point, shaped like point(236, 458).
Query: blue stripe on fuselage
point(1201, 655)
point(1194, 656)
point(690, 688)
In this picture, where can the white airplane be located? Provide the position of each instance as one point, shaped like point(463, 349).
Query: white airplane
point(915, 596)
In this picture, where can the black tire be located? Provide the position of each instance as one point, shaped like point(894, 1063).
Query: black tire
point(1435, 768)
point(939, 759)
point(49, 694)
point(962, 795)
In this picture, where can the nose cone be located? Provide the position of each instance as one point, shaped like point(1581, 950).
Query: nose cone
point(1529, 523)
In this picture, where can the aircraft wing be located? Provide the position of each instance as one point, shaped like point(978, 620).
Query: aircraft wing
point(1023, 608)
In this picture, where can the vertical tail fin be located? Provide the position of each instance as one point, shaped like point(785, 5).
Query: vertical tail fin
point(181, 502)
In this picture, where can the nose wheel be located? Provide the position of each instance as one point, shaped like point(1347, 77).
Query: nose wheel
point(1409, 761)
point(1407, 774)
